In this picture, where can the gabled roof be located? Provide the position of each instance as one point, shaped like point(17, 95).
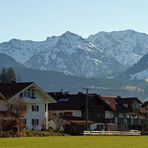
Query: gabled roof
point(112, 104)
point(130, 100)
point(76, 101)
point(2, 96)
point(67, 101)
point(109, 101)
point(117, 103)
point(145, 104)
point(143, 110)
point(8, 90)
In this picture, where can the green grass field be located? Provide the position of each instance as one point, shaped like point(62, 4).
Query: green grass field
point(76, 142)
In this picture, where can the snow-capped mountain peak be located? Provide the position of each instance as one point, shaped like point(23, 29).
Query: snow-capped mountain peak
point(127, 46)
point(100, 55)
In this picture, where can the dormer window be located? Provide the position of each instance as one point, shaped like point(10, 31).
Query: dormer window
point(33, 95)
point(28, 94)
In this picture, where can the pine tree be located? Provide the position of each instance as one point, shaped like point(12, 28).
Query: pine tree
point(3, 77)
point(10, 75)
point(7, 75)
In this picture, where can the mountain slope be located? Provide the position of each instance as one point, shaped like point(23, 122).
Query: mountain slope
point(127, 47)
point(68, 53)
point(138, 70)
point(75, 56)
point(57, 81)
point(7, 61)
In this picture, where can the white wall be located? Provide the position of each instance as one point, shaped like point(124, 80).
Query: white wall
point(42, 114)
point(35, 115)
point(109, 114)
point(75, 113)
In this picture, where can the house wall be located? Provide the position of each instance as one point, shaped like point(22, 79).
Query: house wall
point(41, 114)
point(109, 114)
point(75, 113)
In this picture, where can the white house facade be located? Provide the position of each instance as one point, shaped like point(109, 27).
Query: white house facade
point(35, 100)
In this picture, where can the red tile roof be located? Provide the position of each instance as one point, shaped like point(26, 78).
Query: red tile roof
point(75, 102)
point(110, 101)
point(10, 89)
point(116, 103)
point(143, 110)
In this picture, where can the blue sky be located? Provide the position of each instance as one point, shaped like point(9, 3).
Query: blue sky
point(38, 19)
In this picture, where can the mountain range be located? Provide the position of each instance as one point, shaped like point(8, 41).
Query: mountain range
point(127, 46)
point(104, 54)
point(115, 61)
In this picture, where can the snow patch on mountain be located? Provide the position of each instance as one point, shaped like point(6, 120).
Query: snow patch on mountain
point(127, 47)
point(143, 75)
point(74, 55)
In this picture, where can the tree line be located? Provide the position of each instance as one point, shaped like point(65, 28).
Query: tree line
point(7, 75)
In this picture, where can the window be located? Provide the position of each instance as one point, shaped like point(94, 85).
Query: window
point(21, 95)
point(35, 122)
point(24, 121)
point(68, 114)
point(28, 93)
point(35, 108)
point(32, 94)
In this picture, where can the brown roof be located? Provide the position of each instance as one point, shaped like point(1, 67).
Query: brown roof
point(67, 101)
point(112, 103)
point(145, 104)
point(143, 110)
point(76, 101)
point(109, 101)
point(10, 89)
point(129, 100)
point(1, 96)
point(117, 103)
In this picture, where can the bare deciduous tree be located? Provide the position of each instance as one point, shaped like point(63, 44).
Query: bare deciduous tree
point(57, 122)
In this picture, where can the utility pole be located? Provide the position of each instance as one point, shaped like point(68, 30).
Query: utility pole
point(86, 108)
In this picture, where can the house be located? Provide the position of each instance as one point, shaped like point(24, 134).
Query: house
point(145, 105)
point(144, 116)
point(101, 110)
point(71, 108)
point(28, 102)
point(104, 112)
point(7, 118)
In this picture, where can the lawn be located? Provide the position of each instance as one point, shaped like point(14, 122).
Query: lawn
point(76, 142)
